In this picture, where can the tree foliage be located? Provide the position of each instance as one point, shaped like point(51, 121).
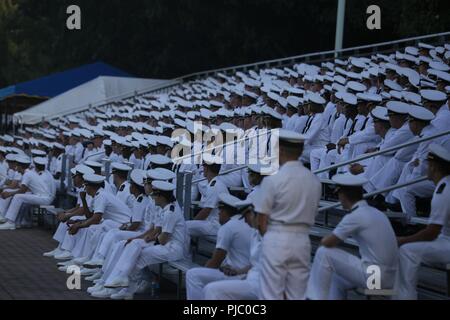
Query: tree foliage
point(169, 38)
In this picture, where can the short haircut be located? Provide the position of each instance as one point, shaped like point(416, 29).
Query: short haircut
point(214, 167)
point(353, 193)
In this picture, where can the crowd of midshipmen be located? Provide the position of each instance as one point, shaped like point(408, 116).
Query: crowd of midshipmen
point(320, 115)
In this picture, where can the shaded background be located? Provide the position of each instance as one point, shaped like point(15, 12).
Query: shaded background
point(170, 38)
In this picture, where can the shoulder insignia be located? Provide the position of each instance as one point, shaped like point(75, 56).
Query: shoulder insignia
point(140, 198)
point(440, 189)
point(172, 208)
point(122, 187)
point(213, 183)
point(354, 208)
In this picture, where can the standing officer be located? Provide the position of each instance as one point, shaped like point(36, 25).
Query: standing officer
point(287, 208)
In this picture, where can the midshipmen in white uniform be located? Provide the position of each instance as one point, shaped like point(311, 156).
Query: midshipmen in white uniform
point(287, 209)
point(334, 271)
point(230, 258)
point(431, 245)
point(33, 190)
point(246, 288)
point(206, 222)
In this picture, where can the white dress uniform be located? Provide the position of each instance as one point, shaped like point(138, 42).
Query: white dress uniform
point(389, 174)
point(78, 152)
point(334, 271)
point(245, 289)
point(3, 173)
point(138, 254)
point(290, 198)
point(124, 195)
point(144, 211)
point(442, 119)
point(234, 238)
point(316, 135)
point(407, 195)
point(318, 157)
point(61, 231)
point(364, 139)
point(39, 194)
point(112, 209)
point(210, 226)
point(300, 124)
point(430, 252)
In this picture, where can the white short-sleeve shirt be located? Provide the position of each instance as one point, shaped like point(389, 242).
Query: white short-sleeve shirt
point(291, 196)
point(110, 207)
point(440, 206)
point(234, 237)
point(211, 198)
point(34, 183)
point(373, 232)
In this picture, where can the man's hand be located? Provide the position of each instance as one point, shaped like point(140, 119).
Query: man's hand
point(148, 239)
point(228, 271)
point(331, 146)
point(356, 168)
point(62, 217)
point(83, 195)
point(74, 229)
point(5, 194)
point(124, 226)
point(415, 163)
point(370, 150)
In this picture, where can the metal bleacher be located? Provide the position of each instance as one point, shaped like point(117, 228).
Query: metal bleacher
point(205, 247)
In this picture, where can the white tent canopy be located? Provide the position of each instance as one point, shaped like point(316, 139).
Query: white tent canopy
point(94, 92)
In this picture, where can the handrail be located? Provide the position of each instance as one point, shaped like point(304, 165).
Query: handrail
point(387, 150)
point(181, 79)
point(319, 53)
point(374, 193)
point(362, 157)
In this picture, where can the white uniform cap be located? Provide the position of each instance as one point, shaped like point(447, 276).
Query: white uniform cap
point(93, 164)
point(293, 101)
point(81, 169)
point(380, 113)
point(291, 136)
point(163, 185)
point(137, 176)
point(120, 167)
point(273, 96)
point(37, 152)
point(316, 98)
point(93, 178)
point(58, 146)
point(229, 200)
point(159, 159)
point(420, 113)
point(371, 97)
point(210, 159)
point(441, 75)
point(356, 86)
point(433, 95)
point(164, 140)
point(23, 159)
point(160, 174)
point(11, 157)
point(349, 98)
point(398, 107)
point(392, 85)
point(439, 151)
point(349, 180)
point(40, 161)
point(439, 66)
point(107, 142)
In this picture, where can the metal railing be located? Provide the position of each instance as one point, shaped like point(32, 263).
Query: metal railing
point(309, 58)
point(321, 55)
point(187, 183)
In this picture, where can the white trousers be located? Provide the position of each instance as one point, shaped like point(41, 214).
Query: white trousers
point(407, 196)
point(86, 247)
point(61, 231)
point(112, 237)
point(198, 278)
point(333, 272)
point(26, 198)
point(232, 290)
point(387, 176)
point(285, 263)
point(202, 228)
point(4, 204)
point(411, 255)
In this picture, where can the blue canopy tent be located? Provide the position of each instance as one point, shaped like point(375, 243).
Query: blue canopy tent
point(18, 97)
